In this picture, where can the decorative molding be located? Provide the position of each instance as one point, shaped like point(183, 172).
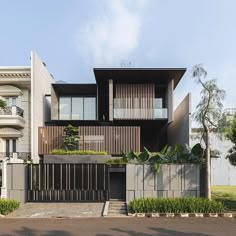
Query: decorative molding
point(15, 75)
point(10, 133)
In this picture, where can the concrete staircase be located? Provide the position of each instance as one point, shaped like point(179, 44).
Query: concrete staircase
point(117, 208)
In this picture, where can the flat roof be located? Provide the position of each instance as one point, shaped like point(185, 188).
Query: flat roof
point(75, 89)
point(154, 75)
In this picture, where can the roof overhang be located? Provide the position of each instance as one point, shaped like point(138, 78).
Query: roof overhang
point(139, 75)
point(75, 89)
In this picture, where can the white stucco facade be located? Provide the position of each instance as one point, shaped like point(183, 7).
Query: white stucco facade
point(24, 90)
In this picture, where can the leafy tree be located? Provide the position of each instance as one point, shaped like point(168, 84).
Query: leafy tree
point(208, 114)
point(2, 104)
point(230, 131)
point(71, 138)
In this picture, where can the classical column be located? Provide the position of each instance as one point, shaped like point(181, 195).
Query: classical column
point(4, 179)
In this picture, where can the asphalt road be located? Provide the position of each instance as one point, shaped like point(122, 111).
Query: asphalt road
point(119, 226)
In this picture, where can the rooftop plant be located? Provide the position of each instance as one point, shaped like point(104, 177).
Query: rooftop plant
point(77, 152)
point(71, 138)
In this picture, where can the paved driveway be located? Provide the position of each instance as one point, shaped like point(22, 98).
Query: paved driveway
point(40, 210)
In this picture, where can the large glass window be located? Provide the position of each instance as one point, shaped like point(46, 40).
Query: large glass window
point(158, 103)
point(89, 108)
point(77, 108)
point(65, 108)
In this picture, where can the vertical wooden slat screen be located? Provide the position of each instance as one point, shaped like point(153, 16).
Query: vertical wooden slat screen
point(134, 101)
point(112, 139)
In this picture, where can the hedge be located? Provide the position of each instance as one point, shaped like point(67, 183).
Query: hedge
point(175, 205)
point(7, 206)
point(76, 152)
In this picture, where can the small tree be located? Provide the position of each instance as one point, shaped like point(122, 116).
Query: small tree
point(208, 114)
point(230, 132)
point(71, 138)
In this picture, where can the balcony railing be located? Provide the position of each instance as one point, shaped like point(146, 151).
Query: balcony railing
point(12, 111)
point(26, 156)
point(140, 113)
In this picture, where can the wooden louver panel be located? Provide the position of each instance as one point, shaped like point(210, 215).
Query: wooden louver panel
point(112, 139)
point(134, 101)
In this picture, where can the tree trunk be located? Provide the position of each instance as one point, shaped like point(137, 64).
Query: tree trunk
point(208, 166)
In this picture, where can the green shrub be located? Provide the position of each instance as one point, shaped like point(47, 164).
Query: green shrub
point(76, 152)
point(116, 162)
point(175, 205)
point(7, 206)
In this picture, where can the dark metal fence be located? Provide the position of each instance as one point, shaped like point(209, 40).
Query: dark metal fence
point(68, 182)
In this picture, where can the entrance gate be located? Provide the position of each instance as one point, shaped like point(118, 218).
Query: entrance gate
point(68, 182)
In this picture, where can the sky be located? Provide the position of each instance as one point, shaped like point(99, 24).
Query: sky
point(74, 36)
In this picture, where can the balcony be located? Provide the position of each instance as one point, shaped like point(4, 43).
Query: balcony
point(25, 156)
point(12, 116)
point(140, 113)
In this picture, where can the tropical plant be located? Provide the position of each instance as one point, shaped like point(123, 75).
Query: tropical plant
point(168, 154)
point(71, 138)
point(208, 114)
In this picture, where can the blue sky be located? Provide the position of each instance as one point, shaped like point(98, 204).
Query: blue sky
point(72, 37)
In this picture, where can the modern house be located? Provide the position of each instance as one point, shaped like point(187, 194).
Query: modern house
point(126, 109)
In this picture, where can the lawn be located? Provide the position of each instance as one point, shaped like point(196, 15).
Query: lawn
point(227, 194)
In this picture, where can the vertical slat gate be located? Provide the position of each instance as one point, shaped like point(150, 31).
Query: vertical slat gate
point(90, 182)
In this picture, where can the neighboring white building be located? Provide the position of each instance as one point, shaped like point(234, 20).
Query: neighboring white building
point(24, 90)
point(222, 172)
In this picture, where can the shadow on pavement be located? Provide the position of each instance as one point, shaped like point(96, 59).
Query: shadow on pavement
point(158, 231)
point(27, 231)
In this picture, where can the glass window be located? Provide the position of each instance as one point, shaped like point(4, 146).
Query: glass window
point(77, 108)
point(14, 145)
point(65, 108)
point(7, 145)
point(89, 108)
point(11, 101)
point(158, 103)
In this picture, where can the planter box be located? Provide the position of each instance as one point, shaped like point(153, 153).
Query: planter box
point(54, 159)
point(226, 215)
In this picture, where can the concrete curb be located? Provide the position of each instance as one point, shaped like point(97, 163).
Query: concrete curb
point(183, 215)
point(106, 208)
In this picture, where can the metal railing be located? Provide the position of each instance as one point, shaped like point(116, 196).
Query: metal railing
point(140, 113)
point(26, 156)
point(13, 110)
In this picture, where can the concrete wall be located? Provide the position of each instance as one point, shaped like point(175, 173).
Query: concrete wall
point(222, 172)
point(40, 86)
point(24, 143)
point(172, 181)
point(170, 100)
point(17, 182)
point(54, 105)
point(179, 130)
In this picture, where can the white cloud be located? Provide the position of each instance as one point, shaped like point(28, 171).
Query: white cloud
point(108, 39)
